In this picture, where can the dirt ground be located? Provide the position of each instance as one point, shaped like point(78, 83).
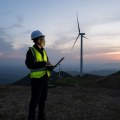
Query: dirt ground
point(63, 103)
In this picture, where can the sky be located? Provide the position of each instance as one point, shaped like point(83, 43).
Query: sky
point(98, 19)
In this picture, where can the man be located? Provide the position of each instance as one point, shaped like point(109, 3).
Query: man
point(38, 63)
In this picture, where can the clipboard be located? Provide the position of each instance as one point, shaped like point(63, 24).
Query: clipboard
point(59, 61)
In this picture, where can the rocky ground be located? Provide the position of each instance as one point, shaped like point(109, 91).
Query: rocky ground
point(63, 103)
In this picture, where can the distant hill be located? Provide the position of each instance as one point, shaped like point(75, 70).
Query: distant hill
point(74, 73)
point(112, 81)
point(88, 80)
point(102, 72)
point(26, 80)
point(91, 76)
point(9, 74)
point(64, 74)
point(55, 75)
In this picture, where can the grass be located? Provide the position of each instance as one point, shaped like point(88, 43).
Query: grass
point(75, 81)
point(73, 99)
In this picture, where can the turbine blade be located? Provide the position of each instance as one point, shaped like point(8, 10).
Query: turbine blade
point(78, 24)
point(85, 37)
point(75, 42)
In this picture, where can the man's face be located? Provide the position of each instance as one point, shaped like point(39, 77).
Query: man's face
point(41, 41)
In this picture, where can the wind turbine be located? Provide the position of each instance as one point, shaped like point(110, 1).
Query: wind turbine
point(81, 50)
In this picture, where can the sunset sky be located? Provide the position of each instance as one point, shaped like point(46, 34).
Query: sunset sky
point(99, 19)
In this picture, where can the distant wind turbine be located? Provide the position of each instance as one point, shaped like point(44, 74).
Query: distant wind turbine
point(81, 51)
point(60, 72)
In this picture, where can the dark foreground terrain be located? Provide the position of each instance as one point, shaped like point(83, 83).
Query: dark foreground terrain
point(63, 103)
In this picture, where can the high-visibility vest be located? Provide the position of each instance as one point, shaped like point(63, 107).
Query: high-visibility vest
point(38, 73)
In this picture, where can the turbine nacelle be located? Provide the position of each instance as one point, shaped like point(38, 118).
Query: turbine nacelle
point(81, 33)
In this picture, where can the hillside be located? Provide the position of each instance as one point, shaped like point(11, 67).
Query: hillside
point(112, 81)
point(63, 103)
point(88, 80)
point(26, 80)
point(74, 98)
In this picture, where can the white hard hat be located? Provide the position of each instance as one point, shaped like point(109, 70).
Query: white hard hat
point(36, 34)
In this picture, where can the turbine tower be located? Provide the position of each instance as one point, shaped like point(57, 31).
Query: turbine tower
point(81, 46)
point(60, 72)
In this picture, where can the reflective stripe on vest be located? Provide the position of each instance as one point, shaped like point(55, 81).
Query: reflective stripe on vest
point(38, 73)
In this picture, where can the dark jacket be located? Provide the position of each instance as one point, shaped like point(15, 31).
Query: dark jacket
point(30, 59)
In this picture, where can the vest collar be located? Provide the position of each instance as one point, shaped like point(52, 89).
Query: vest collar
point(37, 48)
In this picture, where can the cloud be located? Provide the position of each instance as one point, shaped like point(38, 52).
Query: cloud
point(3, 34)
point(63, 41)
point(14, 34)
point(106, 27)
point(5, 48)
point(4, 45)
point(101, 49)
point(7, 52)
point(1, 53)
point(17, 24)
point(10, 31)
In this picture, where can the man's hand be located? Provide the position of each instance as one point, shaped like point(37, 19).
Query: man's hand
point(50, 68)
point(48, 64)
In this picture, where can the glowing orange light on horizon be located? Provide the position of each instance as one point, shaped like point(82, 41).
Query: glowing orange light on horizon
point(115, 56)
